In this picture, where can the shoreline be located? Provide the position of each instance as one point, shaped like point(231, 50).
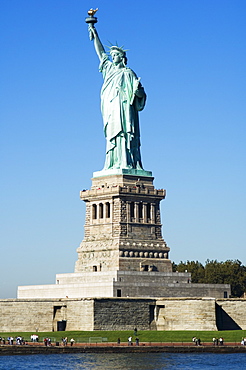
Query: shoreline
point(30, 349)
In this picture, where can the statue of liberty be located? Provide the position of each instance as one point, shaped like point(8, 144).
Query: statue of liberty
point(122, 97)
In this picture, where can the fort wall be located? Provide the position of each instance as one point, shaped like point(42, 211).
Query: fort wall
point(122, 314)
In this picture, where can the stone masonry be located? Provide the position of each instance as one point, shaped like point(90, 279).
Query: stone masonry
point(123, 253)
point(90, 314)
point(123, 226)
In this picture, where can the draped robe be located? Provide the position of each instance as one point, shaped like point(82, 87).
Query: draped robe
point(120, 106)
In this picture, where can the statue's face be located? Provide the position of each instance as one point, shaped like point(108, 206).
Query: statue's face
point(116, 57)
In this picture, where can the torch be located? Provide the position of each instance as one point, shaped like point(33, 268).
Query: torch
point(91, 20)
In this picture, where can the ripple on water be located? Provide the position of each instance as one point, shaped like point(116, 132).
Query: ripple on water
point(141, 361)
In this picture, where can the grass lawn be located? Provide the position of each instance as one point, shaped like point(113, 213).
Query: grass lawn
point(234, 336)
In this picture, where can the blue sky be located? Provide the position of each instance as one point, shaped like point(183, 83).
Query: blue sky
point(191, 58)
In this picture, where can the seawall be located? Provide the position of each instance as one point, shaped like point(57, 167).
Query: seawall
point(113, 348)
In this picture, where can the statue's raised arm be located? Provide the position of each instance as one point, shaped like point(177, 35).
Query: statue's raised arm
point(97, 42)
point(91, 21)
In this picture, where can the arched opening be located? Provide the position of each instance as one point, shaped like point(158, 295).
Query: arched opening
point(140, 210)
point(132, 209)
point(148, 211)
point(94, 211)
point(100, 210)
point(107, 210)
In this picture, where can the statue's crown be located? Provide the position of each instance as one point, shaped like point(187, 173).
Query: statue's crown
point(117, 48)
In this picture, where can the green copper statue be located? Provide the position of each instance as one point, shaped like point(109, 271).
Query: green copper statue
point(122, 97)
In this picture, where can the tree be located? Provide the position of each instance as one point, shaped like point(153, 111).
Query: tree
point(214, 272)
point(194, 267)
point(228, 272)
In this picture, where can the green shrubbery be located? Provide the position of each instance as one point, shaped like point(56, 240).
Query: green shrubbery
point(214, 272)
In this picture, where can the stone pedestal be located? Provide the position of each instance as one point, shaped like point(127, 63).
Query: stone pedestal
point(123, 253)
point(123, 228)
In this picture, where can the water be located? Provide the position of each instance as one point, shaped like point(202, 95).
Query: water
point(141, 361)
